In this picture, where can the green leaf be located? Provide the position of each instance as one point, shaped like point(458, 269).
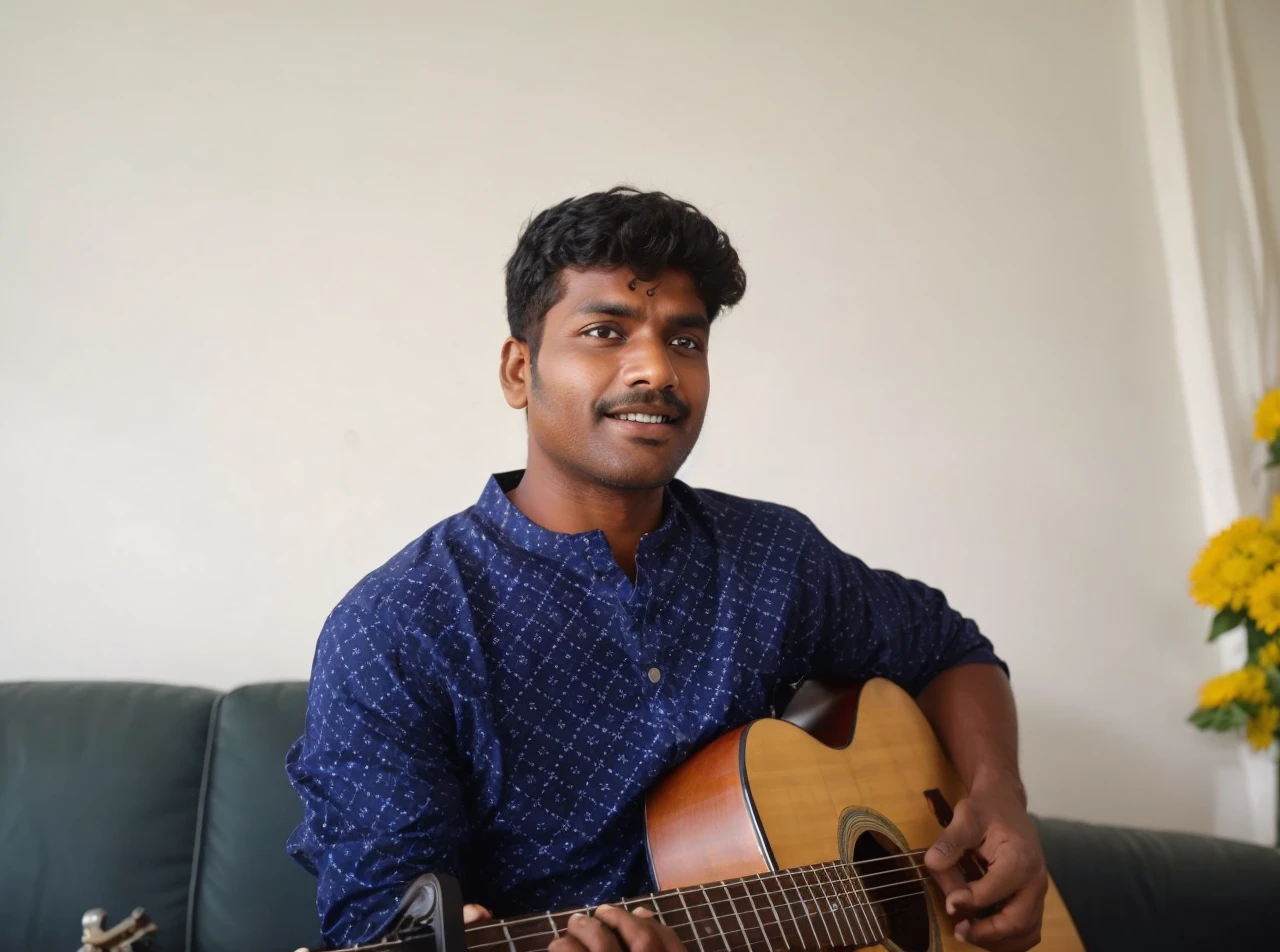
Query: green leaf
point(1205, 718)
point(1273, 458)
point(1273, 682)
point(1243, 710)
point(1225, 621)
point(1229, 718)
point(1256, 638)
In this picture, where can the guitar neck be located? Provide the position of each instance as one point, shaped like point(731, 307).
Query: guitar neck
point(809, 908)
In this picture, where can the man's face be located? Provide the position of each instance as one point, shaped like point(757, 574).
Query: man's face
point(617, 345)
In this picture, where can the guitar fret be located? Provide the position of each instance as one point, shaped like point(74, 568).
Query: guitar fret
point(860, 895)
point(838, 939)
point(692, 926)
point(525, 934)
point(857, 927)
point(832, 893)
point(773, 907)
point(653, 904)
point(711, 906)
point(746, 889)
point(742, 925)
point(861, 900)
point(804, 907)
point(671, 907)
point(824, 914)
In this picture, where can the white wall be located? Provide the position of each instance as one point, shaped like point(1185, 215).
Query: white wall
point(1255, 35)
point(251, 305)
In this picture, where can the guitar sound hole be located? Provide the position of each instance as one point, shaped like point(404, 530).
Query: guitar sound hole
point(897, 891)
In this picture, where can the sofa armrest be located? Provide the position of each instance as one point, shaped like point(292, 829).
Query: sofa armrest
point(1132, 889)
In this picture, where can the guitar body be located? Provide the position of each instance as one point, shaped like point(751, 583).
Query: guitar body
point(862, 780)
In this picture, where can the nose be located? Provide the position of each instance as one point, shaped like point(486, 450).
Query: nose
point(648, 363)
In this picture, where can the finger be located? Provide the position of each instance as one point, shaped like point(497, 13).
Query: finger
point(963, 833)
point(670, 941)
point(1013, 867)
point(638, 934)
point(593, 933)
point(1013, 928)
point(473, 912)
point(566, 943)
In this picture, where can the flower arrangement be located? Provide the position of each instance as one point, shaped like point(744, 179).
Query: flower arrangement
point(1238, 575)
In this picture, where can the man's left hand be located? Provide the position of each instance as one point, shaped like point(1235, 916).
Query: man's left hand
point(996, 827)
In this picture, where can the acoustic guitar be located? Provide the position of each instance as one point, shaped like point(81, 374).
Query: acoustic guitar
point(800, 834)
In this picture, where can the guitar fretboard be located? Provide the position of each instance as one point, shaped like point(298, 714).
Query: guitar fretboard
point(800, 910)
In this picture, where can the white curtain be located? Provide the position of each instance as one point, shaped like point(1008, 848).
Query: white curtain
point(1220, 254)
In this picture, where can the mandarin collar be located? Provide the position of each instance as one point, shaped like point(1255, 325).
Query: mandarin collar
point(502, 514)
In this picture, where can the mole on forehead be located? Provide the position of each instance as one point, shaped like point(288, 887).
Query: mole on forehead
point(631, 286)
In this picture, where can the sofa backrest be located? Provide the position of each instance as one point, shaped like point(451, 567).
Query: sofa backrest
point(175, 799)
point(248, 894)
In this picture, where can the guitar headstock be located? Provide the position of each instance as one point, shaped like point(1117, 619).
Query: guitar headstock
point(131, 934)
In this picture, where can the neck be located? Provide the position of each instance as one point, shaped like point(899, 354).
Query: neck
point(558, 502)
point(807, 909)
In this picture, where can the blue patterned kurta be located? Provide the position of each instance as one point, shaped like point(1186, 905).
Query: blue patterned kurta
point(495, 700)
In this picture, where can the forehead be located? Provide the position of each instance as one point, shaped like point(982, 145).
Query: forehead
point(672, 289)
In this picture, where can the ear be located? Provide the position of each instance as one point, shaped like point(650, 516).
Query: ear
point(515, 373)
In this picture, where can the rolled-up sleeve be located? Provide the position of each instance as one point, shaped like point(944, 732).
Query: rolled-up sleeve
point(856, 622)
point(377, 774)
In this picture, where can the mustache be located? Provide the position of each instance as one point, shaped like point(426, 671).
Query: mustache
point(649, 398)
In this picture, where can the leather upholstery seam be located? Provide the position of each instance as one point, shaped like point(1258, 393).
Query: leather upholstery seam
point(201, 803)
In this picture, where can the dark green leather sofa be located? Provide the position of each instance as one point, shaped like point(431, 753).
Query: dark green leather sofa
point(175, 799)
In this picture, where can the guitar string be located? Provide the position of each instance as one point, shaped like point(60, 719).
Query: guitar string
point(760, 877)
point(764, 879)
point(863, 942)
point(749, 897)
point(858, 905)
point(788, 917)
point(692, 923)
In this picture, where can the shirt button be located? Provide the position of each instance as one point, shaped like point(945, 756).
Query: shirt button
point(655, 675)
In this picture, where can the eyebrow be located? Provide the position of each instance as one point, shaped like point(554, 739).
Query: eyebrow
point(609, 308)
point(617, 309)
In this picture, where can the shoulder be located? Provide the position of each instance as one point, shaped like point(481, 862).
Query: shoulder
point(737, 520)
point(419, 588)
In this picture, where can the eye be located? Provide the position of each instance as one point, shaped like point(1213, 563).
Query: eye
point(602, 332)
point(687, 343)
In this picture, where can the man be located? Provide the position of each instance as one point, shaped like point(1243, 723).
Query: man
point(495, 701)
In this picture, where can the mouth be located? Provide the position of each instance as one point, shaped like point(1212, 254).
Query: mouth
point(645, 419)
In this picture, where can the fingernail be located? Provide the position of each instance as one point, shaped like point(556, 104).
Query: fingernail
point(951, 908)
point(577, 915)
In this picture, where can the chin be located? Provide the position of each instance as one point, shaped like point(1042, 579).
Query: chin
point(637, 478)
point(634, 482)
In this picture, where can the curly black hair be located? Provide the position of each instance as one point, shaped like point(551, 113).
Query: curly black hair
point(646, 231)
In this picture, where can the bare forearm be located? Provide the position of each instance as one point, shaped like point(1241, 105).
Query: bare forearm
point(972, 711)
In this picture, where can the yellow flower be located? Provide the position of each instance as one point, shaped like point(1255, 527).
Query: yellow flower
point(1231, 562)
point(1269, 655)
point(1248, 684)
point(1266, 419)
point(1262, 729)
point(1264, 601)
point(1273, 524)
